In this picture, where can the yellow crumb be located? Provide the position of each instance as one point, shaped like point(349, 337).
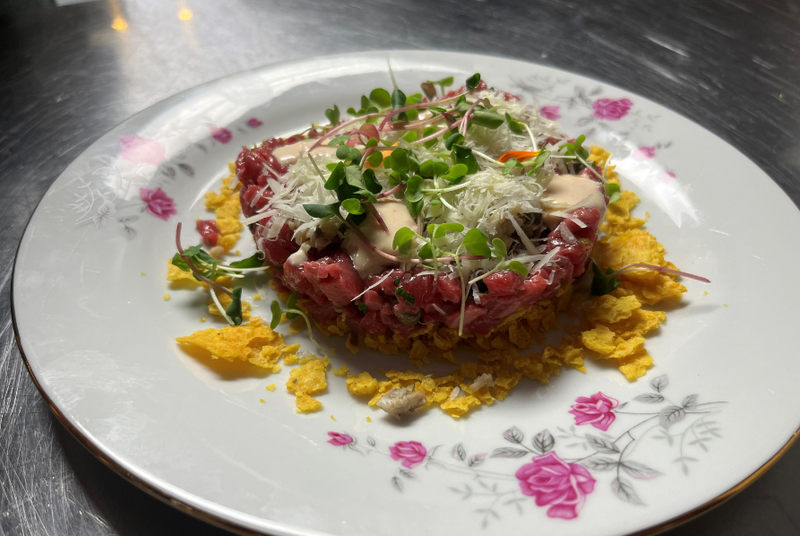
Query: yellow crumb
point(705, 293)
point(166, 297)
point(143, 273)
point(257, 297)
point(341, 371)
point(308, 379)
point(270, 387)
point(333, 418)
point(238, 252)
point(254, 343)
point(725, 304)
point(202, 319)
point(261, 400)
point(369, 419)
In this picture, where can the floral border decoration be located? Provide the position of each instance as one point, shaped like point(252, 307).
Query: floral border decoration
point(562, 478)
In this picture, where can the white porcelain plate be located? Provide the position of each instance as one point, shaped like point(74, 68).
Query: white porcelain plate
point(719, 404)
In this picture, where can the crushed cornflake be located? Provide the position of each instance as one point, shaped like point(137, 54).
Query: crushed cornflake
point(254, 343)
point(308, 379)
point(227, 209)
point(270, 387)
point(166, 297)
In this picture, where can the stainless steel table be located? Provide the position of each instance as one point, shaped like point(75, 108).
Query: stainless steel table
point(68, 74)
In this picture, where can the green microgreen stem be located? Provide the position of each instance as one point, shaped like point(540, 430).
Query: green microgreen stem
point(220, 307)
point(590, 167)
point(533, 138)
point(487, 157)
point(298, 312)
point(195, 271)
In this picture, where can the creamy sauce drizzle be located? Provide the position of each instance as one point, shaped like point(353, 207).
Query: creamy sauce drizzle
point(290, 154)
point(367, 262)
point(564, 191)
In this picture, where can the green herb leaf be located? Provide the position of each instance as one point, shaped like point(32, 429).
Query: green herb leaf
point(603, 283)
point(576, 148)
point(411, 136)
point(381, 98)
point(398, 101)
point(486, 118)
point(338, 140)
point(433, 168)
point(455, 173)
point(415, 207)
point(375, 159)
point(612, 191)
point(353, 177)
point(277, 313)
point(336, 176)
point(362, 307)
point(333, 115)
point(473, 81)
point(322, 211)
point(510, 164)
point(254, 261)
point(343, 152)
point(463, 155)
point(452, 140)
point(514, 126)
point(371, 181)
point(426, 251)
point(399, 161)
point(291, 303)
point(477, 243)
point(413, 191)
point(403, 239)
point(372, 142)
point(442, 229)
point(234, 310)
point(516, 266)
point(406, 295)
point(537, 163)
point(427, 132)
point(499, 250)
point(353, 206)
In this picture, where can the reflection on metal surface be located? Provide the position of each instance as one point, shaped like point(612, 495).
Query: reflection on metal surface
point(119, 24)
point(185, 14)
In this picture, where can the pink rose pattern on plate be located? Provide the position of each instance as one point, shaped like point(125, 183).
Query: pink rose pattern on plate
point(595, 410)
point(564, 482)
point(141, 150)
point(555, 483)
point(550, 112)
point(409, 453)
point(222, 135)
point(611, 109)
point(158, 203)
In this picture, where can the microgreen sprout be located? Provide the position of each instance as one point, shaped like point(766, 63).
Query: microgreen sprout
point(612, 191)
point(207, 269)
point(605, 282)
point(291, 311)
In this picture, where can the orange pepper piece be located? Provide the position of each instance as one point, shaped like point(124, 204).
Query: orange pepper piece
point(521, 156)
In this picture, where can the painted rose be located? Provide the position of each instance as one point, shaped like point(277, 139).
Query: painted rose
point(339, 440)
point(611, 109)
point(666, 176)
point(595, 410)
point(550, 112)
point(158, 203)
point(410, 453)
point(254, 122)
point(141, 150)
point(555, 483)
point(222, 135)
point(643, 153)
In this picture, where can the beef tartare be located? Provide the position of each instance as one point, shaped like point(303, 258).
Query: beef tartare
point(455, 209)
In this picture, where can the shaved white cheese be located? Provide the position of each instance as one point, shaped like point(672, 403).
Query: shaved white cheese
point(542, 263)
